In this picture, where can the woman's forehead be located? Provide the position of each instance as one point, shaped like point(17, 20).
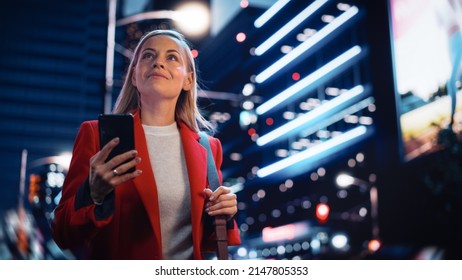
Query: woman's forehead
point(161, 42)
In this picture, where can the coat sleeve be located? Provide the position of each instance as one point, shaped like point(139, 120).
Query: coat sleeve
point(233, 231)
point(76, 218)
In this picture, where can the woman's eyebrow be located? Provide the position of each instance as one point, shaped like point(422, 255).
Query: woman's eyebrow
point(173, 50)
point(149, 49)
point(153, 50)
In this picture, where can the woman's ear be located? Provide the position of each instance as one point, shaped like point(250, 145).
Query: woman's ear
point(188, 82)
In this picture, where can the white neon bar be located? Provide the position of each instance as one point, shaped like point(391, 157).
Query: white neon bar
point(288, 27)
point(314, 126)
point(339, 103)
point(312, 154)
point(329, 69)
point(310, 42)
point(261, 20)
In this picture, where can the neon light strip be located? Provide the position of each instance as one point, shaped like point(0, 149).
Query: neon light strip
point(261, 20)
point(310, 42)
point(313, 154)
point(285, 232)
point(329, 108)
point(332, 68)
point(313, 127)
point(288, 27)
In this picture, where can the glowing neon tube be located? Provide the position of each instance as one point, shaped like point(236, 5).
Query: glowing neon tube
point(288, 27)
point(327, 109)
point(311, 81)
point(303, 47)
point(317, 152)
point(261, 20)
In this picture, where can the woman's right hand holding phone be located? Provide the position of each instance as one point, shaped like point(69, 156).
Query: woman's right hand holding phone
point(105, 176)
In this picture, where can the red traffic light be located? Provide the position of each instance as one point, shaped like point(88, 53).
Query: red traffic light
point(322, 212)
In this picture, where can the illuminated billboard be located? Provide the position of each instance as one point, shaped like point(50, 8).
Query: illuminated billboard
point(427, 59)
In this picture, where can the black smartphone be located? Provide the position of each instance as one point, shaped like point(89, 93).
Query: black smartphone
point(117, 125)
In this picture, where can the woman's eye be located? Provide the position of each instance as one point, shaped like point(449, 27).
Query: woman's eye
point(148, 55)
point(172, 57)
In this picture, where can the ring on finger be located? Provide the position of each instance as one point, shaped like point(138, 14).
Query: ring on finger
point(115, 173)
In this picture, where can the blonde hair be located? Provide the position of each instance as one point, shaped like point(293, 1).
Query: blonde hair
point(186, 109)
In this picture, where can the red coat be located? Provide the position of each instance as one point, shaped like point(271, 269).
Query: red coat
point(127, 225)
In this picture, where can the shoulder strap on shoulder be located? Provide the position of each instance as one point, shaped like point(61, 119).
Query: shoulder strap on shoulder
point(214, 182)
point(212, 175)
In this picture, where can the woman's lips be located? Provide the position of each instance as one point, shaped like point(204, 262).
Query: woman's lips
point(157, 75)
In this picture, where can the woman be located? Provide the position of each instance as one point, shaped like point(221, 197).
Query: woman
point(160, 210)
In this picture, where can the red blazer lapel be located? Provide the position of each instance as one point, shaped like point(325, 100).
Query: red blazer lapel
point(196, 162)
point(145, 184)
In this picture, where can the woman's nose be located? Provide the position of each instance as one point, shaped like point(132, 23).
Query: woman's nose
point(158, 63)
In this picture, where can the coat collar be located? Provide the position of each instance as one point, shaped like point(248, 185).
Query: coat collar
point(196, 163)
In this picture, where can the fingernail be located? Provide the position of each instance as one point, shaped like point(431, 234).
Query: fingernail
point(138, 160)
point(134, 152)
point(117, 139)
point(139, 171)
point(212, 197)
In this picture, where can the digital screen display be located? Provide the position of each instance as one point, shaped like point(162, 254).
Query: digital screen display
point(427, 59)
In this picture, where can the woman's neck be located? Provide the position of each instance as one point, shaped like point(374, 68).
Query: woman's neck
point(158, 114)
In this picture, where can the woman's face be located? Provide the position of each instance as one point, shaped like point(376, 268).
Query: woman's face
point(161, 71)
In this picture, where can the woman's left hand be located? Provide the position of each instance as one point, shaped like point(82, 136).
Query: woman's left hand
point(221, 202)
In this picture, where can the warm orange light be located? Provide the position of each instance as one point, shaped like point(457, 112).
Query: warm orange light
point(193, 18)
point(373, 245)
point(34, 187)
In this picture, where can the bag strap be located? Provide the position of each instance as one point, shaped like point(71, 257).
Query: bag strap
point(214, 183)
point(212, 175)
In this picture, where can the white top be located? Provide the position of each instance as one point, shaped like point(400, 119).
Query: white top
point(169, 167)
